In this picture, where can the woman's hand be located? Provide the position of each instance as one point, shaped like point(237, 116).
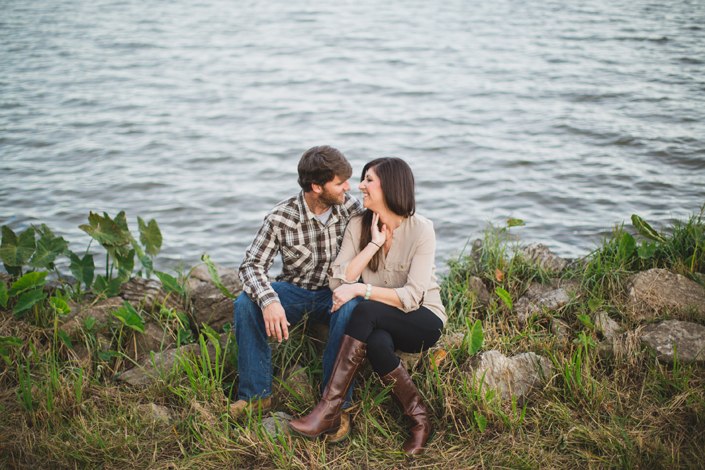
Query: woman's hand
point(345, 293)
point(378, 236)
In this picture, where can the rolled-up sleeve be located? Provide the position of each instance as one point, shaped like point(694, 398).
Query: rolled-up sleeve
point(348, 250)
point(418, 279)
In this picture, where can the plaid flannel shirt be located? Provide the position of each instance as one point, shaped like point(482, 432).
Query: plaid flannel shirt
point(307, 247)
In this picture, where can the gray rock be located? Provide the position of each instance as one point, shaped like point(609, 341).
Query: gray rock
point(477, 250)
point(608, 327)
point(517, 376)
point(552, 300)
point(561, 330)
point(211, 307)
point(157, 413)
point(277, 423)
point(100, 312)
point(153, 339)
point(688, 339)
point(201, 272)
point(148, 371)
point(7, 279)
point(149, 295)
point(477, 289)
point(653, 291)
point(544, 257)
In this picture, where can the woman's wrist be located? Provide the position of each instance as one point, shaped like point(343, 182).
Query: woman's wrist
point(375, 245)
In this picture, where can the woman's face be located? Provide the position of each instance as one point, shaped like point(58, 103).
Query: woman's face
point(372, 198)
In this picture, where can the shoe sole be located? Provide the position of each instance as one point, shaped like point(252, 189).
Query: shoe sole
point(311, 436)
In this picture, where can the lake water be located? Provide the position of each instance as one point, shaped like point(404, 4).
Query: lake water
point(570, 115)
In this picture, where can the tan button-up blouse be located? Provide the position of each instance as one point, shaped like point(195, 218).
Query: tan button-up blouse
point(408, 268)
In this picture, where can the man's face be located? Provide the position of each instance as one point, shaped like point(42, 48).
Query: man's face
point(334, 191)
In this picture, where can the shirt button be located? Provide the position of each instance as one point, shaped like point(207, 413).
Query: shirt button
point(385, 282)
point(402, 267)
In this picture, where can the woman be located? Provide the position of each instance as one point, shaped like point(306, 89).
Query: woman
point(393, 251)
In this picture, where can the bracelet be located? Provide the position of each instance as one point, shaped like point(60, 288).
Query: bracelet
point(368, 291)
point(378, 247)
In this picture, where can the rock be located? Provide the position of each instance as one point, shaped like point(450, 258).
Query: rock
point(149, 295)
point(100, 312)
point(201, 272)
point(194, 283)
point(157, 413)
point(544, 257)
point(153, 339)
point(655, 290)
point(145, 373)
point(688, 338)
point(477, 250)
point(561, 330)
point(295, 378)
point(7, 279)
point(477, 289)
point(606, 325)
point(516, 376)
point(211, 306)
point(277, 423)
point(552, 300)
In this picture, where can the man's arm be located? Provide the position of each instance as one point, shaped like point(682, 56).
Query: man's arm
point(253, 274)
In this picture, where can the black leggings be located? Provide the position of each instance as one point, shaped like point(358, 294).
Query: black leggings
point(385, 329)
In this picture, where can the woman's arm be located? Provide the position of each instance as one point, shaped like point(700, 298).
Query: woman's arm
point(358, 263)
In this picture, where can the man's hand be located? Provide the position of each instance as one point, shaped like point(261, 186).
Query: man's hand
point(275, 321)
point(345, 293)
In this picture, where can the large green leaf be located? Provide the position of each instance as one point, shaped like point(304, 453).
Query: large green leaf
point(82, 269)
point(515, 223)
point(476, 337)
point(150, 236)
point(105, 230)
point(102, 286)
point(16, 251)
point(216, 277)
point(506, 298)
point(647, 250)
point(3, 294)
point(27, 301)
point(125, 264)
point(169, 282)
point(147, 264)
point(28, 281)
point(646, 230)
point(48, 248)
point(129, 317)
point(60, 306)
point(627, 245)
point(120, 220)
point(65, 338)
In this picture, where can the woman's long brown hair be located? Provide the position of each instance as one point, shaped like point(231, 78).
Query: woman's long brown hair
point(397, 183)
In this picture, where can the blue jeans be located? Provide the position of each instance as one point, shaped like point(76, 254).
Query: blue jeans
point(254, 353)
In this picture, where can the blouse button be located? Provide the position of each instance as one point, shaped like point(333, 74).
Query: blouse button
point(402, 267)
point(385, 282)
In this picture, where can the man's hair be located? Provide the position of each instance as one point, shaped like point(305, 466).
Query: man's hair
point(321, 164)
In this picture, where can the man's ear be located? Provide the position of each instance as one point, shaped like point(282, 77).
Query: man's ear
point(316, 188)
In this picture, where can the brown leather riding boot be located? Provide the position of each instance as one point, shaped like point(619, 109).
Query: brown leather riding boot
point(410, 400)
point(326, 416)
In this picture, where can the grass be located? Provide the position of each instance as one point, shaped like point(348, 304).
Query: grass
point(626, 411)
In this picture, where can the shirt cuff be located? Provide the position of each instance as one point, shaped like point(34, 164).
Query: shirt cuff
point(336, 275)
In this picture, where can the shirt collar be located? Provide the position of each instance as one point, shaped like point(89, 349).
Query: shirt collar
point(307, 214)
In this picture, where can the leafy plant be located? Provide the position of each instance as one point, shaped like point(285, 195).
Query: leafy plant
point(16, 251)
point(476, 336)
point(8, 341)
point(506, 298)
point(216, 277)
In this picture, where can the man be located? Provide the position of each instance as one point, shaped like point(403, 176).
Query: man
point(308, 230)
